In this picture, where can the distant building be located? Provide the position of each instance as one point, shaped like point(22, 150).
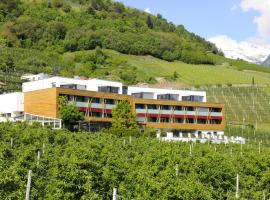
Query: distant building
point(11, 106)
point(34, 77)
point(182, 110)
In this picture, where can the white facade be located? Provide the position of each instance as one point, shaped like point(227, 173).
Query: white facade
point(158, 91)
point(11, 105)
point(215, 138)
point(95, 84)
point(35, 77)
point(90, 85)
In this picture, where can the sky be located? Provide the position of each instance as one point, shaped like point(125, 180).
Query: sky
point(221, 21)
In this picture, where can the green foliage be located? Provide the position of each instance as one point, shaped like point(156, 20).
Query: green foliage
point(89, 166)
point(69, 113)
point(124, 119)
point(10, 9)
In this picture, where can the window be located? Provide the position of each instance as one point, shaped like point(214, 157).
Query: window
point(108, 89)
point(190, 108)
point(73, 86)
point(110, 101)
point(82, 99)
point(215, 121)
point(190, 121)
point(216, 109)
point(96, 114)
point(125, 90)
point(192, 98)
point(143, 95)
point(96, 100)
point(179, 120)
point(178, 108)
point(174, 97)
point(140, 106)
point(152, 119)
point(152, 107)
point(165, 107)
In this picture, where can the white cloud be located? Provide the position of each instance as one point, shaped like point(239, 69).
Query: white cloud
point(234, 7)
point(247, 50)
point(147, 10)
point(263, 20)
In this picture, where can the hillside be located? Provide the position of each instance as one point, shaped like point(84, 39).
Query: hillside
point(35, 36)
point(89, 166)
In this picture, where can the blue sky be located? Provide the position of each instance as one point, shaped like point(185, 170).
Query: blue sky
point(207, 18)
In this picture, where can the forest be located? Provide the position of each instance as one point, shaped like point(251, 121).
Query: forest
point(88, 166)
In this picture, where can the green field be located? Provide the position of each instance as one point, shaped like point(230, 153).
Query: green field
point(197, 74)
point(248, 105)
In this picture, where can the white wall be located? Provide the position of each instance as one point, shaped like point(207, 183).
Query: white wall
point(48, 83)
point(158, 91)
point(91, 84)
point(12, 103)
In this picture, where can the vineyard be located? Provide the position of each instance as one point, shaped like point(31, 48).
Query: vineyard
point(248, 105)
point(69, 165)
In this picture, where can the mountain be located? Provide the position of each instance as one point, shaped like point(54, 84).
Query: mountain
point(267, 61)
point(248, 51)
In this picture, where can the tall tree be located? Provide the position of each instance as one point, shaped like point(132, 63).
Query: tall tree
point(149, 22)
point(124, 119)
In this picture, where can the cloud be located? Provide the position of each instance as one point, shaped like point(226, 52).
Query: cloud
point(263, 20)
point(249, 50)
point(147, 10)
point(234, 7)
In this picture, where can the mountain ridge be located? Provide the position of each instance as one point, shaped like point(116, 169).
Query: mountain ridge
point(267, 61)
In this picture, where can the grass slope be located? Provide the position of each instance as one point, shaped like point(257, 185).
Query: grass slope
point(193, 74)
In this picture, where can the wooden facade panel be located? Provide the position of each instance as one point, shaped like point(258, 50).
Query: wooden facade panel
point(45, 103)
point(41, 102)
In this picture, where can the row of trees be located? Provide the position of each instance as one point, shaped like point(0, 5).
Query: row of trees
point(89, 166)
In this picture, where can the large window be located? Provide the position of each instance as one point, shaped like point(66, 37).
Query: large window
point(73, 86)
point(216, 110)
point(193, 98)
point(82, 99)
point(108, 89)
point(152, 107)
point(140, 106)
point(174, 97)
point(143, 95)
point(110, 101)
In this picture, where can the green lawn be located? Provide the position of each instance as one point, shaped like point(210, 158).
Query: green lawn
point(197, 74)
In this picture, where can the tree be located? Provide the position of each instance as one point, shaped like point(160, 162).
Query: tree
point(124, 119)
point(10, 9)
point(69, 113)
point(149, 22)
point(58, 3)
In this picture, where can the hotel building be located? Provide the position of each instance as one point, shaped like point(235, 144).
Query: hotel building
point(183, 110)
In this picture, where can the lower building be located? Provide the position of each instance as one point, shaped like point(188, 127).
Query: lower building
point(199, 117)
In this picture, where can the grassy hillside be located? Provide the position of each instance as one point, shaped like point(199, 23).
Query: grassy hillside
point(89, 166)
